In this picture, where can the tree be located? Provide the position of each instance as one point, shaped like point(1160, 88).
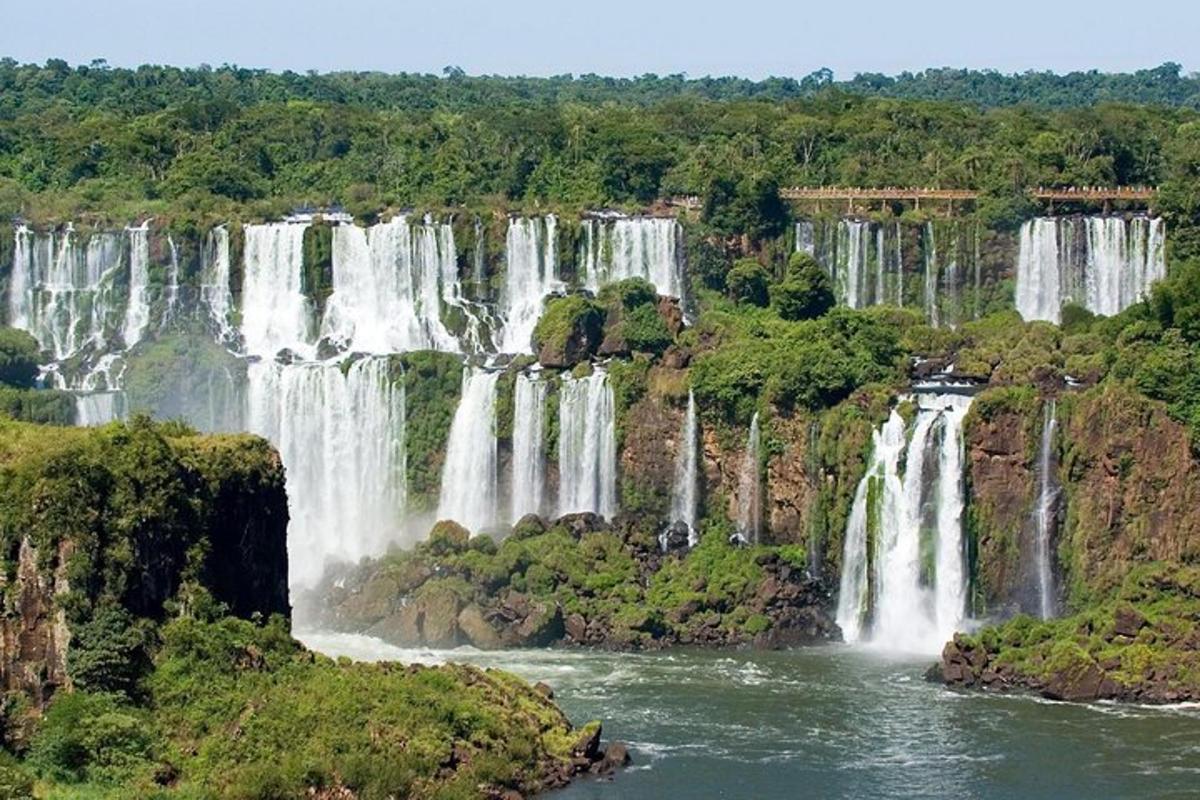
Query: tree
point(18, 358)
point(747, 282)
point(806, 292)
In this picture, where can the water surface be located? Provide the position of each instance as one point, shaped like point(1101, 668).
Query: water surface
point(836, 722)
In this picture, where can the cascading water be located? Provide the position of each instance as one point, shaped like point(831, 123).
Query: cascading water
point(632, 247)
point(98, 408)
point(685, 493)
point(1123, 258)
point(64, 294)
point(587, 445)
point(875, 499)
point(931, 275)
point(531, 273)
point(276, 315)
point(1106, 264)
point(389, 284)
point(1045, 514)
point(215, 292)
point(171, 296)
point(341, 435)
point(528, 446)
point(750, 489)
point(469, 475)
point(137, 311)
point(903, 582)
point(1038, 282)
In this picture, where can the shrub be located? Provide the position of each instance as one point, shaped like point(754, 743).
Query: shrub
point(806, 292)
point(18, 358)
point(747, 282)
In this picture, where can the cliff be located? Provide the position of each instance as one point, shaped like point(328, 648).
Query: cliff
point(145, 645)
point(128, 518)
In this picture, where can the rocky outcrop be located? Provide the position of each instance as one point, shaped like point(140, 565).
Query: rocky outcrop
point(127, 521)
point(1142, 646)
point(582, 580)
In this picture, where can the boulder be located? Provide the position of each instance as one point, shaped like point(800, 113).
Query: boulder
point(477, 630)
point(448, 536)
point(1127, 621)
point(439, 616)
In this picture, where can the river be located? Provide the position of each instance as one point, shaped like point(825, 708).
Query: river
point(835, 722)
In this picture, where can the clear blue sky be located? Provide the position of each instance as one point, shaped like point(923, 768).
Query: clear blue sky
point(749, 38)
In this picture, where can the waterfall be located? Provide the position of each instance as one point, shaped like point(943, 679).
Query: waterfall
point(1045, 514)
point(171, 298)
point(805, 243)
point(750, 489)
point(528, 446)
point(931, 275)
point(851, 271)
point(389, 284)
point(684, 495)
point(1106, 265)
point(1123, 258)
point(874, 500)
point(587, 445)
point(903, 582)
point(64, 295)
point(137, 310)
point(629, 247)
point(341, 435)
point(1038, 293)
point(531, 273)
point(98, 408)
point(469, 490)
point(215, 293)
point(275, 313)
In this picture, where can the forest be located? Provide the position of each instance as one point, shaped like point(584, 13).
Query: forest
point(205, 142)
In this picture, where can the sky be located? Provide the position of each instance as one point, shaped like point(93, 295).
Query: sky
point(747, 38)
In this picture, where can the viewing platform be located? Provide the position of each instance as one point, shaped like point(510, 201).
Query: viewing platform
point(1103, 195)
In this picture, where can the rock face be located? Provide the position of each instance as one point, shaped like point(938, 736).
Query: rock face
point(1133, 487)
point(1002, 489)
point(130, 516)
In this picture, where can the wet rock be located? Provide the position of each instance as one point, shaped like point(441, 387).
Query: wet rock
point(477, 630)
point(676, 537)
point(1078, 683)
point(575, 627)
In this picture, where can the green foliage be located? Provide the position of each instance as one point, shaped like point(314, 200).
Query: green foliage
point(97, 738)
point(569, 328)
point(18, 358)
point(44, 406)
point(806, 292)
point(432, 385)
point(108, 651)
point(812, 364)
point(747, 282)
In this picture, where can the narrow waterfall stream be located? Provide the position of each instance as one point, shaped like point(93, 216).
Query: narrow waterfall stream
point(1045, 514)
point(587, 445)
point(528, 443)
point(749, 523)
point(686, 489)
point(137, 312)
point(903, 583)
point(469, 475)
